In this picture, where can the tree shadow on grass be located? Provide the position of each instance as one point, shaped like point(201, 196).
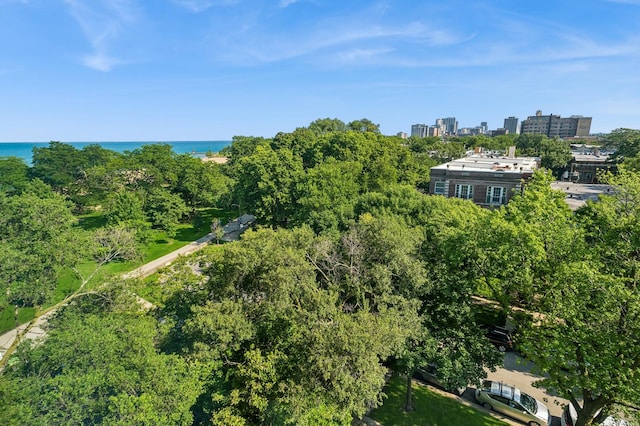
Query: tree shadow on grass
point(91, 222)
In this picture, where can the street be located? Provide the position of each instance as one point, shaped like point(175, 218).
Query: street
point(516, 371)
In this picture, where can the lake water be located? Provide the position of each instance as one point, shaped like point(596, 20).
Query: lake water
point(24, 149)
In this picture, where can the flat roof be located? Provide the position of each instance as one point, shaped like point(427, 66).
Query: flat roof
point(602, 158)
point(577, 194)
point(484, 163)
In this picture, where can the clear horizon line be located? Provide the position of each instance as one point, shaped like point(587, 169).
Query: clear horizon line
point(121, 141)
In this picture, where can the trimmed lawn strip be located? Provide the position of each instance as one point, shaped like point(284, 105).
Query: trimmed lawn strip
point(431, 409)
point(160, 245)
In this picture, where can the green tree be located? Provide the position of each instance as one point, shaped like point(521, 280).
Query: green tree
point(326, 125)
point(266, 182)
point(585, 335)
point(364, 125)
point(200, 183)
point(554, 154)
point(124, 207)
point(13, 174)
point(326, 195)
point(302, 142)
point(242, 146)
point(164, 209)
point(39, 238)
point(586, 341)
point(58, 165)
point(292, 350)
point(152, 166)
point(625, 142)
point(98, 368)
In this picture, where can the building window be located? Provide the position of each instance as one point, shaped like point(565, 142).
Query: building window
point(464, 191)
point(496, 195)
point(438, 187)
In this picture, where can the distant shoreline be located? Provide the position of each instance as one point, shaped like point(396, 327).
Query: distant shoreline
point(24, 150)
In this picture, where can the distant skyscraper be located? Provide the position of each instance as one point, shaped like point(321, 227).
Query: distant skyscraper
point(554, 126)
point(419, 130)
point(511, 125)
point(485, 127)
point(450, 125)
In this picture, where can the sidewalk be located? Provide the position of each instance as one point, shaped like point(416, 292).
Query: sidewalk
point(151, 267)
point(7, 339)
point(36, 331)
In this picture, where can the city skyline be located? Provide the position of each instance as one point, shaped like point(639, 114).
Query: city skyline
point(102, 70)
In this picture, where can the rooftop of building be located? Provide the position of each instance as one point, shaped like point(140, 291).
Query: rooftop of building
point(491, 162)
point(590, 158)
point(577, 194)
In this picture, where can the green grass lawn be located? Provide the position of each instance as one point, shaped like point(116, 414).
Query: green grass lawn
point(431, 409)
point(159, 245)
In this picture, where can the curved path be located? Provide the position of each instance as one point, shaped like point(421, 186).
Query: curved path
point(151, 267)
point(34, 328)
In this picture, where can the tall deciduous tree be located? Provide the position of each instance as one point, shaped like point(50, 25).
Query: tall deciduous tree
point(586, 340)
point(585, 337)
point(13, 174)
point(57, 165)
point(98, 368)
point(39, 238)
point(164, 209)
point(327, 194)
point(326, 125)
point(200, 183)
point(292, 349)
point(266, 182)
point(364, 125)
point(625, 142)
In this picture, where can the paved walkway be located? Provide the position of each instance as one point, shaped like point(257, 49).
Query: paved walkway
point(36, 329)
point(151, 267)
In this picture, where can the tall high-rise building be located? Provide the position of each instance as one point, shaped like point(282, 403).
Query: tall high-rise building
point(450, 125)
point(419, 130)
point(554, 126)
point(485, 127)
point(511, 125)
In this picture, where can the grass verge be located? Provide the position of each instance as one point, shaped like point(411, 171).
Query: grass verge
point(160, 244)
point(431, 409)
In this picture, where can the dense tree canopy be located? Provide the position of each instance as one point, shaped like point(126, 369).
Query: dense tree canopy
point(98, 368)
point(13, 174)
point(355, 270)
point(625, 142)
point(38, 237)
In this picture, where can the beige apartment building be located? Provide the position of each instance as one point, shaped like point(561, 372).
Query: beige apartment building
point(554, 126)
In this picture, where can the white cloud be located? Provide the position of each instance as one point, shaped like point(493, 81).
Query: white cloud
point(354, 55)
point(252, 46)
point(103, 23)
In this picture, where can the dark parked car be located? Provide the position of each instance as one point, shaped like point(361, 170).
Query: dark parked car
point(500, 337)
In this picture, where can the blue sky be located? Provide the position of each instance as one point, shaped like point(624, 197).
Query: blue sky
point(162, 70)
